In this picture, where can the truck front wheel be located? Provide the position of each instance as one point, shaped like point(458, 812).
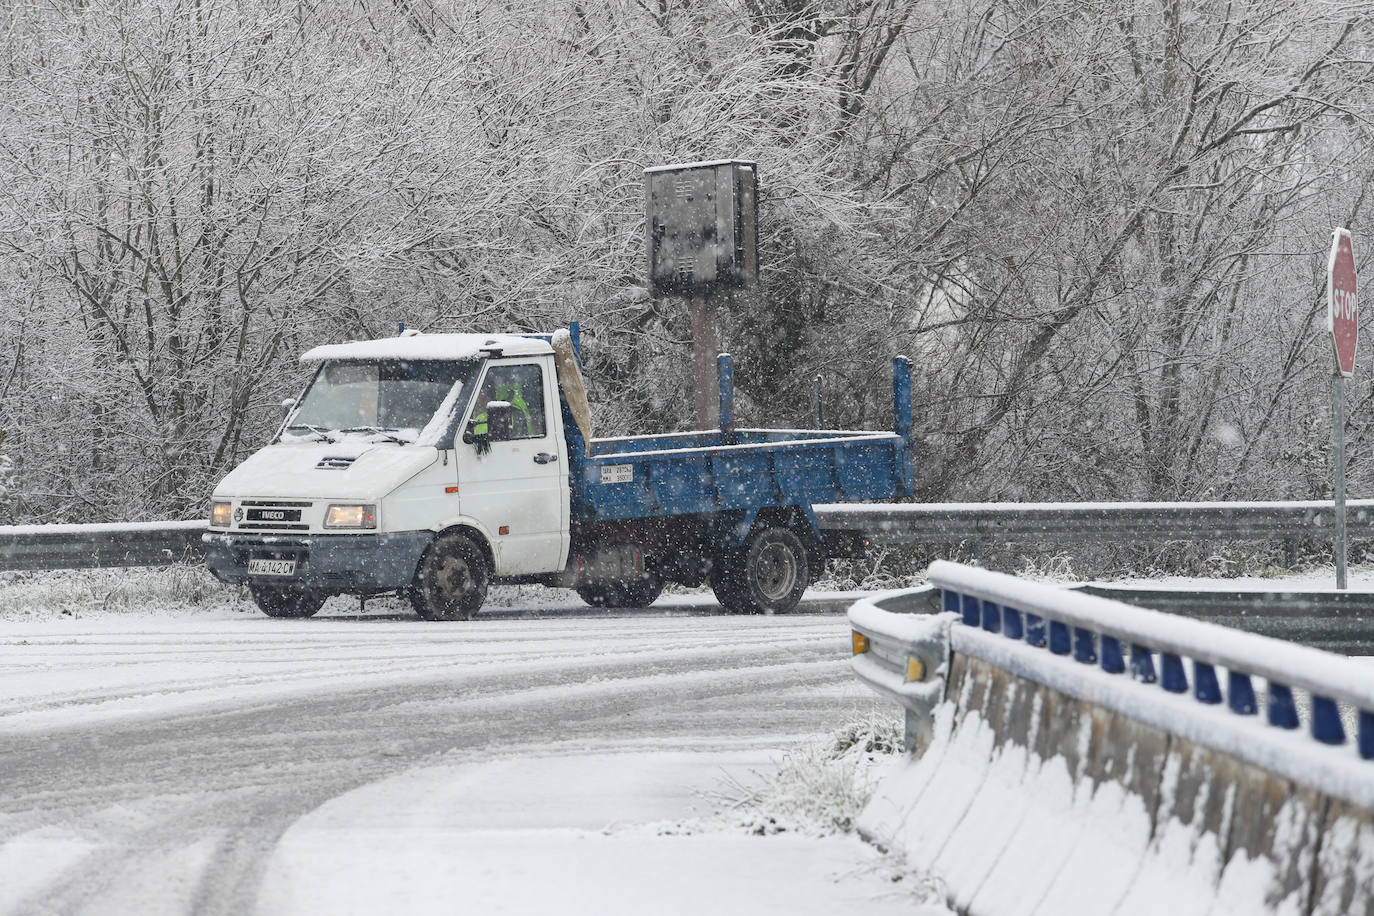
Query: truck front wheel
point(279, 601)
point(452, 580)
point(765, 575)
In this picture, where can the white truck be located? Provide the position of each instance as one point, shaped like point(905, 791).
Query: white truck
point(432, 465)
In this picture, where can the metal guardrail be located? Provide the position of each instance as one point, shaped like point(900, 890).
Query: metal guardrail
point(1333, 621)
point(158, 543)
point(944, 523)
point(1103, 651)
point(33, 547)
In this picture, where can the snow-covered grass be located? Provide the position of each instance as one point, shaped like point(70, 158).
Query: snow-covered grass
point(165, 590)
point(819, 789)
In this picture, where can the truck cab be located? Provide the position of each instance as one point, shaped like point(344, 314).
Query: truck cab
point(392, 442)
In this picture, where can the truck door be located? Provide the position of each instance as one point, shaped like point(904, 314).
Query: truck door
point(518, 487)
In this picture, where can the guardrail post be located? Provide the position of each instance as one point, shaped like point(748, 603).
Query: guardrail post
point(1326, 721)
point(1013, 626)
point(1059, 638)
point(992, 617)
point(1142, 664)
point(1084, 647)
point(1205, 686)
point(1240, 694)
point(1283, 712)
point(973, 612)
point(1112, 660)
point(1172, 676)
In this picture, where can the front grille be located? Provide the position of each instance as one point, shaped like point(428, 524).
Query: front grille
point(272, 515)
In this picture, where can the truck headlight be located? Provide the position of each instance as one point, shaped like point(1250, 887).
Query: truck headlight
point(219, 514)
point(341, 516)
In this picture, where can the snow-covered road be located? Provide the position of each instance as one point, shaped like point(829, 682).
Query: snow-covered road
point(228, 763)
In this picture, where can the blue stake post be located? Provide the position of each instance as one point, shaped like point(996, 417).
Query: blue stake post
point(725, 371)
point(901, 397)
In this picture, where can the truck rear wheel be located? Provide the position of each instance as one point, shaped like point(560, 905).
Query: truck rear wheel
point(452, 580)
point(286, 601)
point(641, 592)
point(766, 575)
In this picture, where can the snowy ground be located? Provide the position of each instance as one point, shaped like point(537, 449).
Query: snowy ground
point(166, 749)
point(189, 755)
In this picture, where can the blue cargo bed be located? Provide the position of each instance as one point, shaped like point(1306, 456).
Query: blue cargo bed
point(747, 469)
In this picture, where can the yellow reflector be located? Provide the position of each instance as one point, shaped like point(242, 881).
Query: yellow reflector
point(915, 669)
point(860, 643)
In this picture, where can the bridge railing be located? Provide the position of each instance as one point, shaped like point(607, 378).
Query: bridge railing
point(1177, 656)
point(1162, 747)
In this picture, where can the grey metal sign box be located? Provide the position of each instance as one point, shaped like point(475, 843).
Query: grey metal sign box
point(702, 226)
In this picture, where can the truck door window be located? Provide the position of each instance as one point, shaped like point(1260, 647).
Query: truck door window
point(523, 388)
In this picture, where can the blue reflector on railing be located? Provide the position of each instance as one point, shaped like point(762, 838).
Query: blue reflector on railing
point(1206, 688)
point(1142, 664)
point(1012, 626)
point(1283, 712)
point(1035, 630)
point(1240, 694)
point(949, 601)
point(1366, 735)
point(1326, 721)
point(972, 612)
point(1059, 638)
point(1112, 660)
point(992, 617)
point(1084, 647)
point(1172, 676)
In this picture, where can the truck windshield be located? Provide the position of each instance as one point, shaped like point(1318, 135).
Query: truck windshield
point(393, 398)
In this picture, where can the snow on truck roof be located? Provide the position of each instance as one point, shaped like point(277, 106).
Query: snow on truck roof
point(430, 346)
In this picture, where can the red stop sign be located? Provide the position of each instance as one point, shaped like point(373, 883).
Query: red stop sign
point(1340, 301)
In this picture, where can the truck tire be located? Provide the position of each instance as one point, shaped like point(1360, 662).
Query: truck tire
point(451, 581)
point(766, 575)
point(642, 592)
point(286, 601)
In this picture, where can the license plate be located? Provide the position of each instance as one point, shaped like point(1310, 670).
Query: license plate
point(261, 567)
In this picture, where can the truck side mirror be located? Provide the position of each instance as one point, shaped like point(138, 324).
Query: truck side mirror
point(286, 407)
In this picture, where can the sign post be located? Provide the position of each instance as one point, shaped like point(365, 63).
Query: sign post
point(1342, 322)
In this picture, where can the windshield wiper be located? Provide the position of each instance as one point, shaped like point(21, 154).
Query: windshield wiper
point(377, 430)
point(317, 430)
